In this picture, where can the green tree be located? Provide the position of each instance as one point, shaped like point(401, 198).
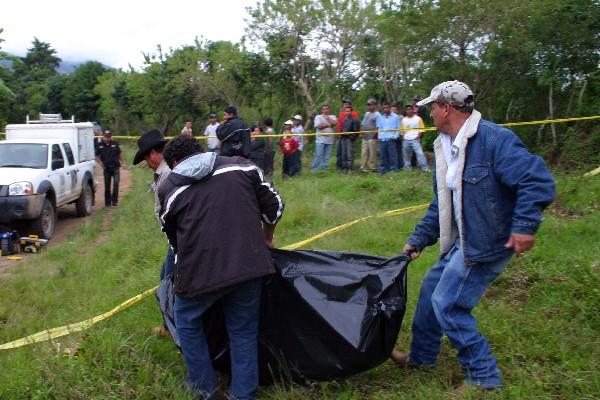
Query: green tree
point(79, 98)
point(33, 72)
point(7, 97)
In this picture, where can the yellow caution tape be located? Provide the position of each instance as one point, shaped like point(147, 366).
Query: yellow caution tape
point(54, 333)
point(523, 123)
point(593, 172)
point(339, 228)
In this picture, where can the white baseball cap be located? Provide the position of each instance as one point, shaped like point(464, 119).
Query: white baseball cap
point(455, 93)
point(288, 122)
point(298, 117)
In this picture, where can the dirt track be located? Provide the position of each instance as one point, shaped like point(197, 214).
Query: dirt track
point(68, 220)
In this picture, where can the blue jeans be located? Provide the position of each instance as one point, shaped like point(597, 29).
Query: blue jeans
point(168, 264)
point(450, 290)
point(408, 146)
point(389, 156)
point(241, 306)
point(322, 153)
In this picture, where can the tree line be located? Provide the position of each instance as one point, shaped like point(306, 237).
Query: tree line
point(524, 60)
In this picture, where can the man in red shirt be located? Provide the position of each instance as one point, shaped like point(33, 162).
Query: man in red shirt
point(288, 146)
point(341, 117)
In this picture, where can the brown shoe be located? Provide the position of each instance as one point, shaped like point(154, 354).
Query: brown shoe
point(466, 391)
point(160, 331)
point(401, 359)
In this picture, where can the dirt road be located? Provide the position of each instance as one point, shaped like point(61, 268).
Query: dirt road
point(68, 221)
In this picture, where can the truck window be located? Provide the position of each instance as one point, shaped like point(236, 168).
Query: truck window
point(57, 154)
point(70, 157)
point(23, 155)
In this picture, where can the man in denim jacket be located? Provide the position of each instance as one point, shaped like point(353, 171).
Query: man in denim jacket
point(489, 194)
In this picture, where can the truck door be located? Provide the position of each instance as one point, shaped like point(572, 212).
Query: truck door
point(73, 179)
point(58, 174)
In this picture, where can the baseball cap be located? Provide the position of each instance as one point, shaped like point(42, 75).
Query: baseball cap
point(455, 93)
point(347, 101)
point(212, 115)
point(288, 122)
point(298, 117)
point(371, 101)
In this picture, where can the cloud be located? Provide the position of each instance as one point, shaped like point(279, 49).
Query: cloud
point(117, 32)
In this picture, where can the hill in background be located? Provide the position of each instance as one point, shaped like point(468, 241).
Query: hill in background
point(65, 67)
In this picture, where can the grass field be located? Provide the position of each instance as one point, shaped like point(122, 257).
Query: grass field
point(542, 316)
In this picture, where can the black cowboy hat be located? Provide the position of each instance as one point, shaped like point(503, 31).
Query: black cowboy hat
point(147, 142)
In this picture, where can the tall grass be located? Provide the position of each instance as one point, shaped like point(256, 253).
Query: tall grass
point(541, 316)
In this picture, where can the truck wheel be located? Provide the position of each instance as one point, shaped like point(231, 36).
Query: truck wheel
point(84, 202)
point(43, 226)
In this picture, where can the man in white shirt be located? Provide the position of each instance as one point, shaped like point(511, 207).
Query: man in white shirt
point(187, 129)
point(412, 126)
point(298, 129)
point(325, 123)
point(212, 142)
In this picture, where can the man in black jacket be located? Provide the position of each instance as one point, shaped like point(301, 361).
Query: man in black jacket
point(234, 135)
point(219, 216)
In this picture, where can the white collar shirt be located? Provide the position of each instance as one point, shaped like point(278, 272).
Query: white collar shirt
point(452, 150)
point(160, 175)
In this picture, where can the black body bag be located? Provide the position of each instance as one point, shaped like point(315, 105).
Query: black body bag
point(324, 315)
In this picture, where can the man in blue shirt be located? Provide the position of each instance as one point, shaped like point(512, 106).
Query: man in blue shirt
point(388, 121)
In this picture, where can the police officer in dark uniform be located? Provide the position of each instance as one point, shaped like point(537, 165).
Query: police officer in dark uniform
point(108, 155)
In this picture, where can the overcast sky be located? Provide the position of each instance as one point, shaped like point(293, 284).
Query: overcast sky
point(116, 32)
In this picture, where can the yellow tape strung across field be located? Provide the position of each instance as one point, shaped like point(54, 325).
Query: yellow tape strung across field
point(54, 333)
point(508, 124)
point(593, 172)
point(356, 221)
point(523, 123)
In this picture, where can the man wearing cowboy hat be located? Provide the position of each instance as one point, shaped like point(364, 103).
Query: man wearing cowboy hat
point(150, 149)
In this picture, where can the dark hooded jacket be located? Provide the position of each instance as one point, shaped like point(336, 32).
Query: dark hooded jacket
point(211, 211)
point(235, 138)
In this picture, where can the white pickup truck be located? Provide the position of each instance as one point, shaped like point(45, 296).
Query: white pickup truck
point(45, 164)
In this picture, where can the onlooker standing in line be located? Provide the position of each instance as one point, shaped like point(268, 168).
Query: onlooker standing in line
point(187, 129)
point(400, 158)
point(298, 129)
point(350, 124)
point(421, 111)
point(257, 154)
point(219, 216)
point(411, 142)
point(368, 152)
point(289, 147)
point(110, 158)
point(324, 123)
point(388, 121)
point(489, 195)
point(212, 142)
point(271, 145)
point(234, 135)
point(342, 116)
